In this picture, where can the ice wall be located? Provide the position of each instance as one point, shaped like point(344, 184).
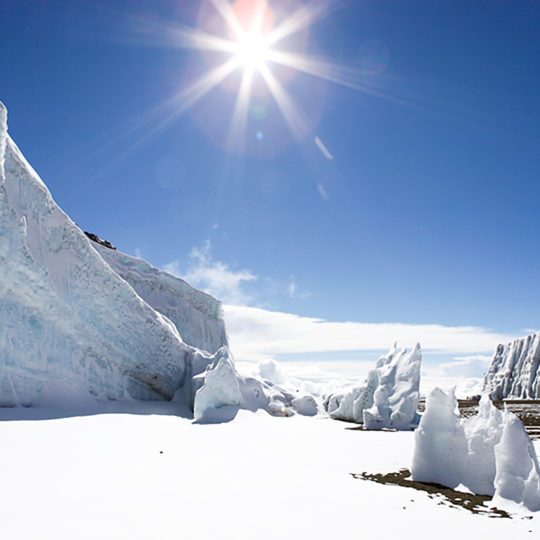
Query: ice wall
point(197, 316)
point(515, 370)
point(66, 315)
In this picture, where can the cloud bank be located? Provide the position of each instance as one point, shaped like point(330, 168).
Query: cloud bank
point(257, 334)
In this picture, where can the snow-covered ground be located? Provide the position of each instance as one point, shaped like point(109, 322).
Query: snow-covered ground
point(159, 476)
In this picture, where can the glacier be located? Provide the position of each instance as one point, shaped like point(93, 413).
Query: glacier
point(389, 396)
point(69, 317)
point(77, 314)
point(515, 370)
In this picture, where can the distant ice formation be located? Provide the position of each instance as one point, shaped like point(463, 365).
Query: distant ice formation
point(490, 454)
point(389, 396)
point(515, 370)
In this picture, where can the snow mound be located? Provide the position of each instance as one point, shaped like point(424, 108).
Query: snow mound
point(305, 405)
point(389, 396)
point(515, 370)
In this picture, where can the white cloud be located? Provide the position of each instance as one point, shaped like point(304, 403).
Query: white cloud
point(322, 191)
point(294, 291)
point(258, 334)
point(466, 366)
point(322, 147)
point(214, 277)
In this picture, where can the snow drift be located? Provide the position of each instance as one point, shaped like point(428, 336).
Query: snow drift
point(515, 370)
point(389, 396)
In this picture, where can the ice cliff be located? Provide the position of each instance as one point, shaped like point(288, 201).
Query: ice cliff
point(515, 370)
point(77, 313)
point(72, 313)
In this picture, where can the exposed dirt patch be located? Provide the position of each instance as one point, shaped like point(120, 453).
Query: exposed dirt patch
point(474, 503)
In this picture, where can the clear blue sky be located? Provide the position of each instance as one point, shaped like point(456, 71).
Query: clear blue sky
point(428, 213)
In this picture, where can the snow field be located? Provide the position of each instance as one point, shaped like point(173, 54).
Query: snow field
point(103, 476)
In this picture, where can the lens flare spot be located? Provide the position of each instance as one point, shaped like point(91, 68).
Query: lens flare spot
point(259, 135)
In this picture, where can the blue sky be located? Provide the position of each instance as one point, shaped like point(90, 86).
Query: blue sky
point(427, 213)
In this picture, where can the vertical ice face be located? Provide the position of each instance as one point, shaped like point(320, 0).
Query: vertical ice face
point(440, 450)
point(197, 316)
point(66, 315)
point(518, 473)
point(515, 370)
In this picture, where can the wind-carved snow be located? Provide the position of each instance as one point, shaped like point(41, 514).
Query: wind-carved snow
point(197, 316)
point(66, 314)
point(389, 396)
point(515, 370)
point(490, 454)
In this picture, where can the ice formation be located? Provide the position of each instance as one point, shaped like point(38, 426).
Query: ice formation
point(388, 398)
point(483, 432)
point(440, 450)
point(219, 389)
point(490, 454)
point(68, 316)
point(515, 370)
point(518, 473)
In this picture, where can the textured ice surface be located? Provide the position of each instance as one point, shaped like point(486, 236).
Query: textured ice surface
point(66, 314)
point(440, 450)
point(483, 432)
point(515, 370)
point(395, 401)
point(488, 453)
point(518, 473)
point(389, 396)
point(220, 389)
point(197, 316)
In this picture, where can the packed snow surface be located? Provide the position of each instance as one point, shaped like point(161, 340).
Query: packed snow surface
point(489, 454)
point(389, 396)
point(159, 476)
point(515, 370)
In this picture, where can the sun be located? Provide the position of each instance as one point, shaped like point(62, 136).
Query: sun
point(252, 51)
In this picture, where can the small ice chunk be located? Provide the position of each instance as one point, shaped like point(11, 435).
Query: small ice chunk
point(440, 449)
point(305, 405)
